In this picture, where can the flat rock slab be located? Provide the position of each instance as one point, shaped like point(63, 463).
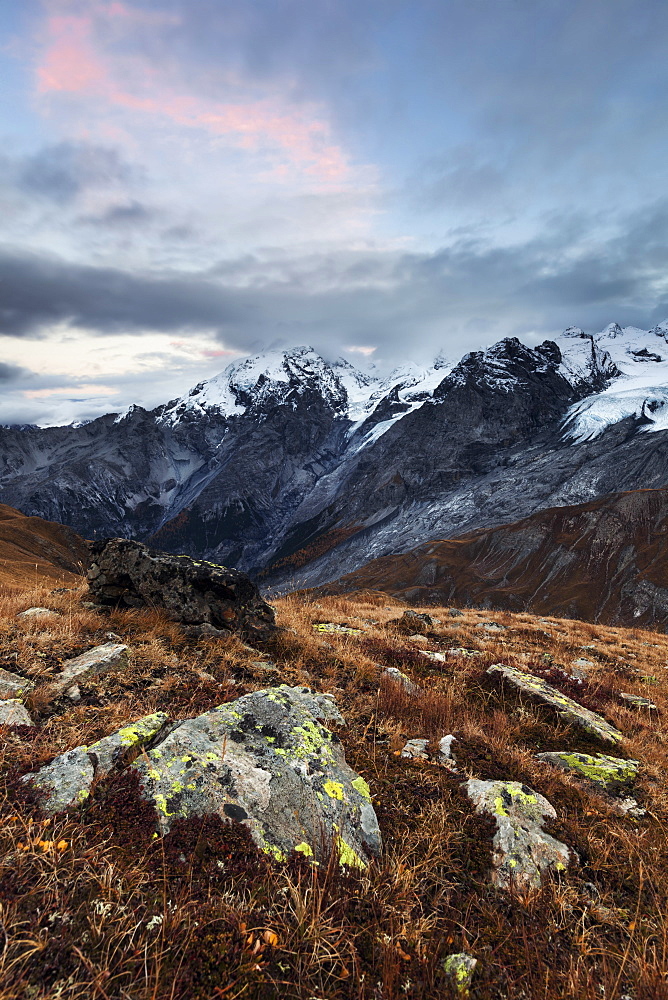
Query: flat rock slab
point(110, 655)
point(192, 591)
point(522, 850)
point(12, 685)
point(67, 780)
point(540, 691)
point(610, 774)
point(13, 713)
point(37, 613)
point(265, 760)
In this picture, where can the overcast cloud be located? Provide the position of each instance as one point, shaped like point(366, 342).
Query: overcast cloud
point(182, 183)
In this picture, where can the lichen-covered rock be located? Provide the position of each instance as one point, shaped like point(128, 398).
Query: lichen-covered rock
point(611, 774)
point(459, 969)
point(13, 713)
point(191, 591)
point(89, 664)
point(334, 629)
point(67, 780)
point(12, 685)
point(522, 849)
point(540, 691)
point(265, 760)
point(637, 701)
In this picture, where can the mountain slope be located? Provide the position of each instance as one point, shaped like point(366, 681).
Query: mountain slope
point(605, 561)
point(34, 551)
point(297, 470)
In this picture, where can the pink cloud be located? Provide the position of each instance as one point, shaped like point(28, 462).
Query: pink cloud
point(87, 390)
point(361, 350)
point(75, 61)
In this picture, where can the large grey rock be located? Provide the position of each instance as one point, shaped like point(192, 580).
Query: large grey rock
point(522, 849)
point(89, 664)
point(13, 713)
point(266, 761)
point(12, 685)
point(67, 780)
point(192, 591)
point(540, 691)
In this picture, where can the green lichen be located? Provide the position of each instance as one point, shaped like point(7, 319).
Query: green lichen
point(348, 856)
point(304, 849)
point(600, 769)
point(312, 741)
point(360, 785)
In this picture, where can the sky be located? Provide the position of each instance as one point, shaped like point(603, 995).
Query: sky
point(185, 182)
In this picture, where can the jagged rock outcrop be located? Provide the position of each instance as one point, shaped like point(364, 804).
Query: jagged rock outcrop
point(192, 591)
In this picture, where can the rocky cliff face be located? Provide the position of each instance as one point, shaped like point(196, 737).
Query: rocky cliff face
point(297, 470)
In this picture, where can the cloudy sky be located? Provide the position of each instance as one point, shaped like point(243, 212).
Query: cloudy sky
point(186, 181)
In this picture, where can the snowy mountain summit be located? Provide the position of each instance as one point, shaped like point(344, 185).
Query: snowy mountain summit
point(298, 469)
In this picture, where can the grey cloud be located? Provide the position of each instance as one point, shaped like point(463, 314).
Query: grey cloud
point(458, 297)
point(127, 214)
point(11, 373)
point(63, 171)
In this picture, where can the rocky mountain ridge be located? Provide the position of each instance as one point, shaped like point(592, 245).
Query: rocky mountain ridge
point(296, 470)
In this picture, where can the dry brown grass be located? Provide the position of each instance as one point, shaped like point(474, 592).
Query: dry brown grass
point(94, 906)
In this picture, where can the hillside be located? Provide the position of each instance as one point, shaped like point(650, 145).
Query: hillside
point(95, 904)
point(605, 561)
point(34, 550)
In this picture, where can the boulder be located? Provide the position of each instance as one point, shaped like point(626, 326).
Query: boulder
point(67, 780)
point(13, 713)
point(522, 849)
point(265, 760)
point(191, 591)
point(89, 664)
point(12, 685)
point(412, 621)
point(540, 691)
point(609, 774)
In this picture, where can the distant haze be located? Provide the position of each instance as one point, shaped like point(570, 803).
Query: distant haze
point(183, 182)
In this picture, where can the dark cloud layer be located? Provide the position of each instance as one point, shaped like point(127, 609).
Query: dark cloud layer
point(457, 297)
point(60, 172)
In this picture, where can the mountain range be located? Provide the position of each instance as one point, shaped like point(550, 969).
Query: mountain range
point(299, 471)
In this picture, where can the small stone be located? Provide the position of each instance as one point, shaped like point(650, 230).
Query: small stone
point(637, 701)
point(582, 662)
point(73, 693)
point(455, 614)
point(459, 969)
point(416, 749)
point(418, 638)
point(334, 628)
point(398, 677)
point(13, 713)
point(12, 685)
point(491, 626)
point(91, 663)
point(522, 849)
point(445, 755)
point(38, 613)
point(629, 807)
point(436, 657)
